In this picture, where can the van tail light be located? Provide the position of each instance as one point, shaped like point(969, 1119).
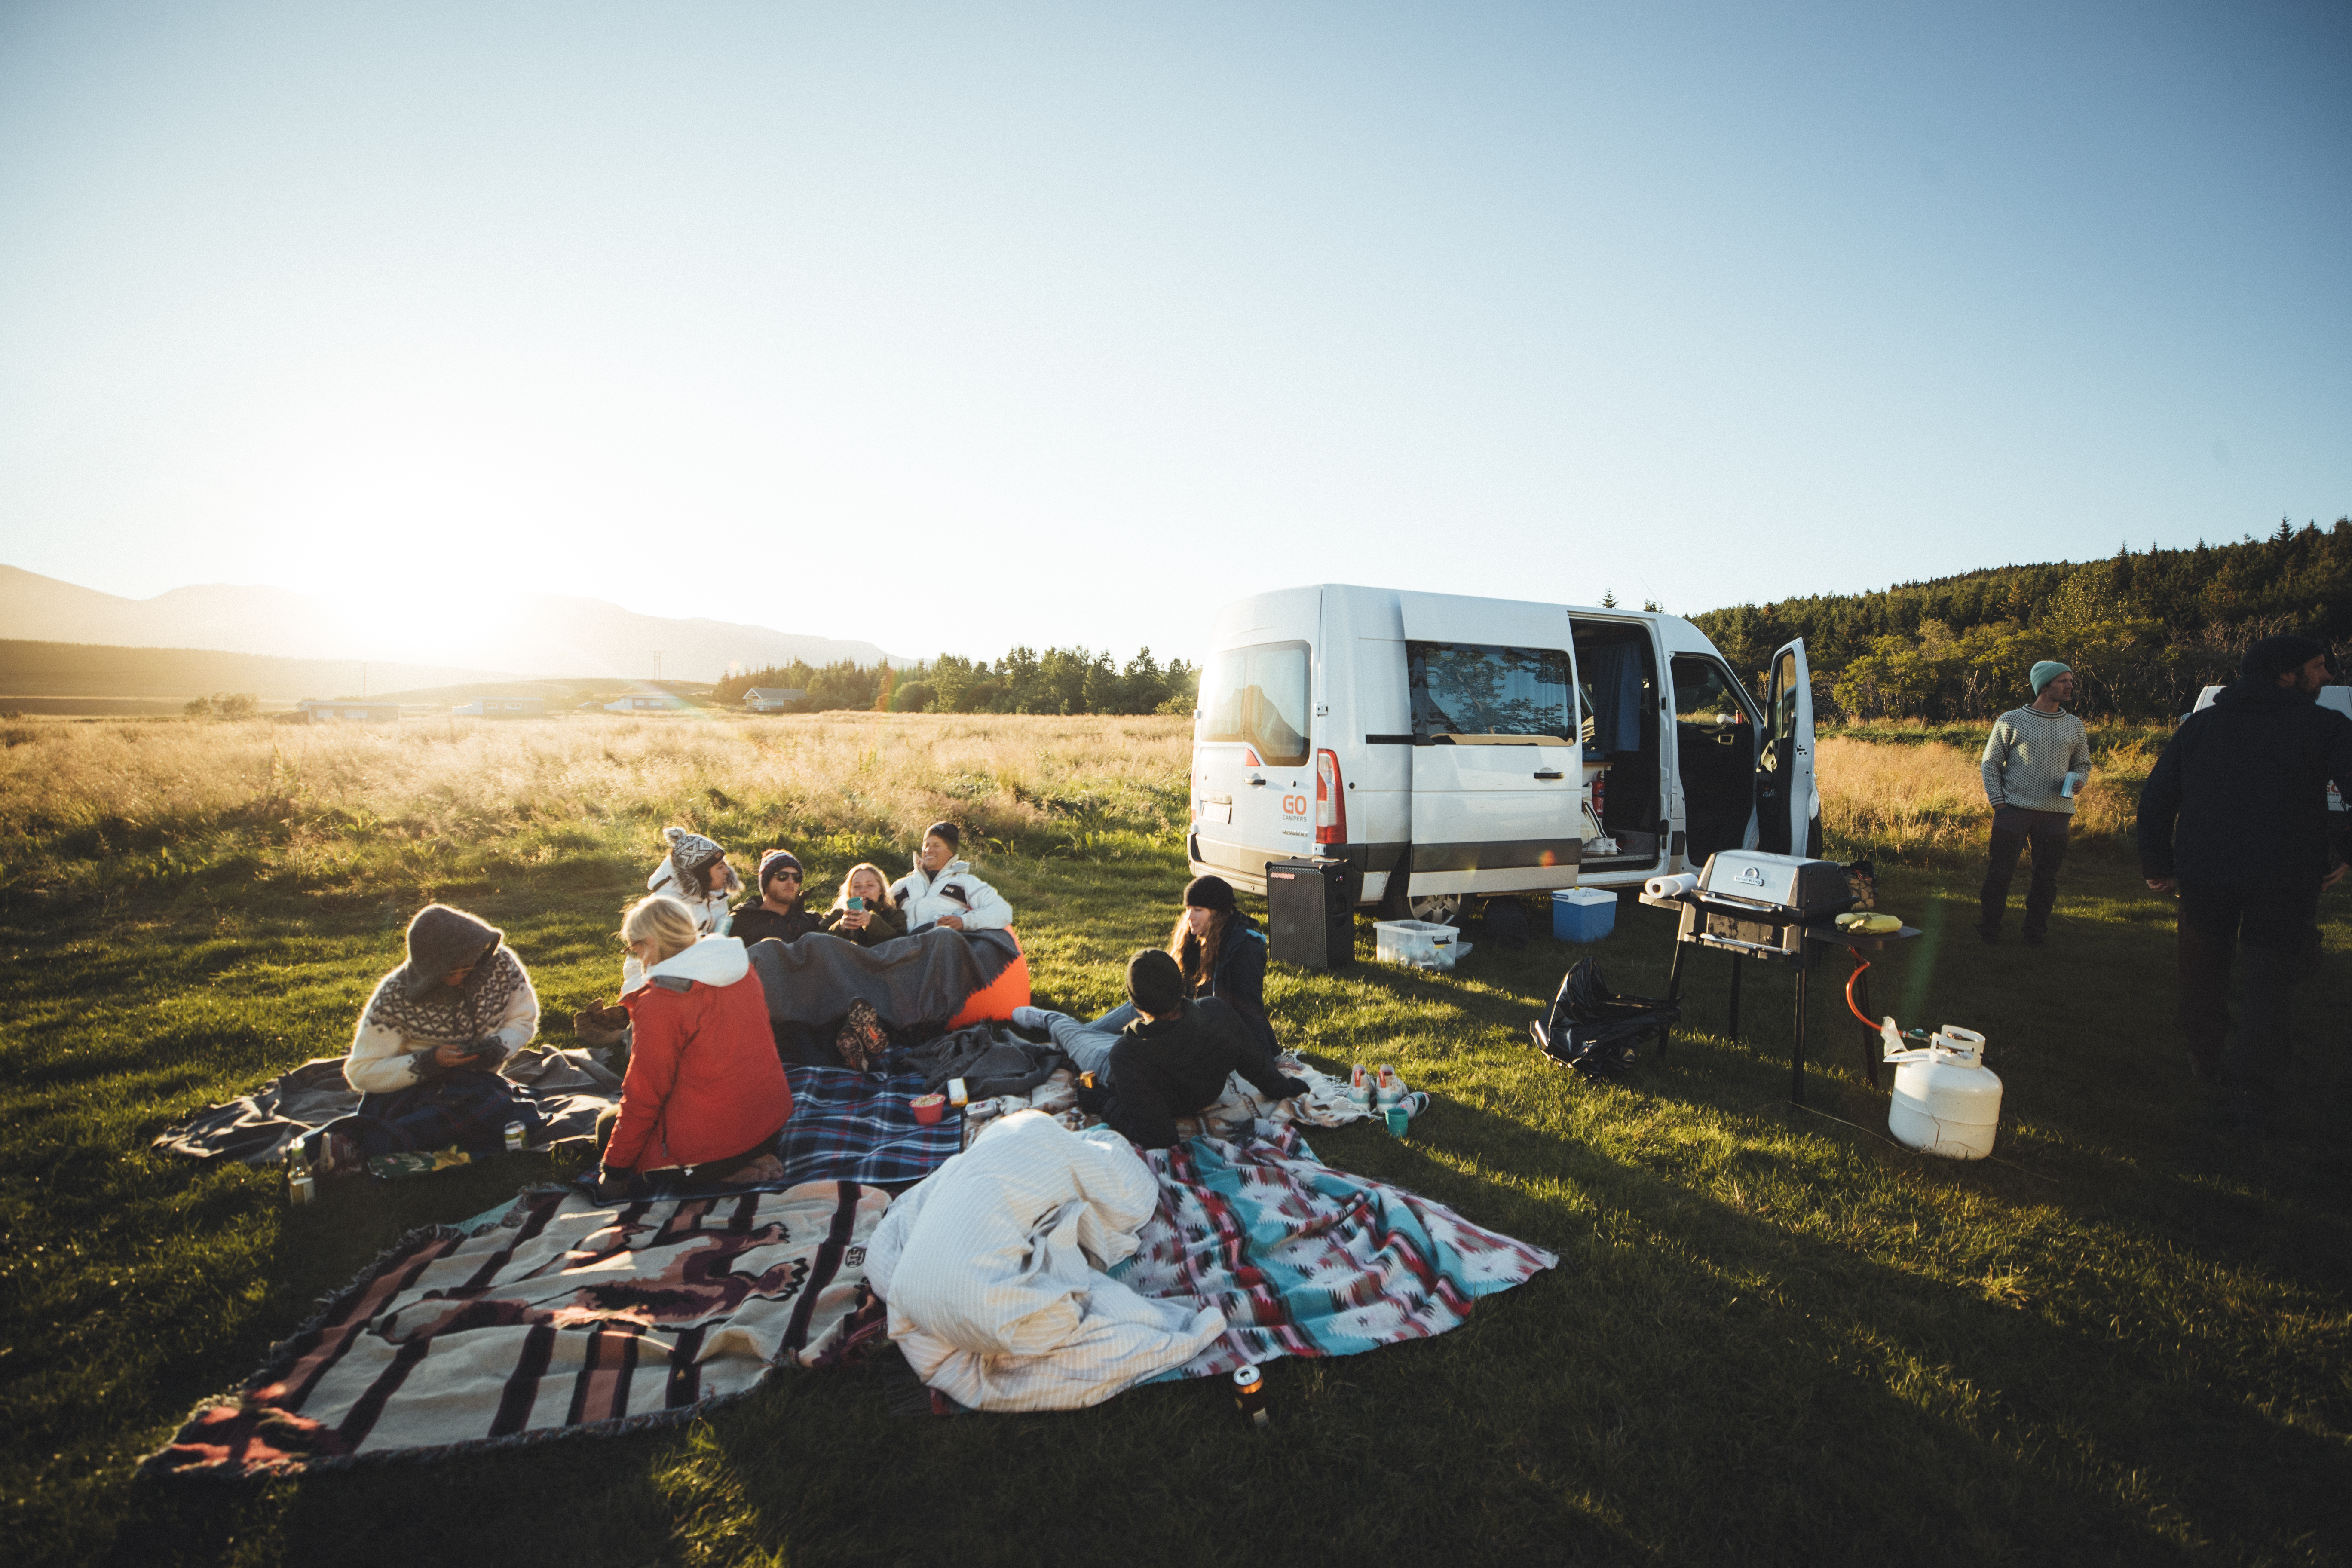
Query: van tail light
point(1330, 804)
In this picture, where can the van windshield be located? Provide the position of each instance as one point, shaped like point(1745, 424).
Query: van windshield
point(1459, 688)
point(1258, 696)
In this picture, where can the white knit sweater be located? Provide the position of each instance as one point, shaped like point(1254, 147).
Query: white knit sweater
point(2027, 757)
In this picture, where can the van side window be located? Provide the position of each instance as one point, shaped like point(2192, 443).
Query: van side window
point(1460, 689)
point(1257, 695)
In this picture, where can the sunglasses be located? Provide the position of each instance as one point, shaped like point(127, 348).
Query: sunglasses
point(783, 876)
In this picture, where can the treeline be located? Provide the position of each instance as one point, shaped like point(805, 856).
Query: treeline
point(2144, 631)
point(1059, 681)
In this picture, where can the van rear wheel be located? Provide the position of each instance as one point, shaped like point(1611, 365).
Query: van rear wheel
point(1438, 908)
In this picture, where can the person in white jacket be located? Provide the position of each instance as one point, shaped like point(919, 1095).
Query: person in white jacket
point(696, 873)
point(941, 890)
point(425, 1055)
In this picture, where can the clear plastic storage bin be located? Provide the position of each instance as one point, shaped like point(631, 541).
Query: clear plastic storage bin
point(1423, 944)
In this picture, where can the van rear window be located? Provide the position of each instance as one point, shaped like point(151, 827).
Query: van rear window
point(1258, 696)
point(1460, 689)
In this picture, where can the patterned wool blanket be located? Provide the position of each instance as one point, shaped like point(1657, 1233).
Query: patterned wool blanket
point(562, 1319)
point(1307, 1260)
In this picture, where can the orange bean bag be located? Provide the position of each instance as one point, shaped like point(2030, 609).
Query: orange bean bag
point(995, 1000)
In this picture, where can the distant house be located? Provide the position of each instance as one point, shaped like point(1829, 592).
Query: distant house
point(348, 711)
point(656, 702)
point(772, 699)
point(504, 708)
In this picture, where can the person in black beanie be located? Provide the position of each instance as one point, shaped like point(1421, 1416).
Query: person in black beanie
point(1223, 954)
point(781, 911)
point(2233, 819)
point(1175, 1058)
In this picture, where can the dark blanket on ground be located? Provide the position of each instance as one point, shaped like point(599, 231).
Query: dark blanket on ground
point(917, 984)
point(989, 1057)
point(570, 1088)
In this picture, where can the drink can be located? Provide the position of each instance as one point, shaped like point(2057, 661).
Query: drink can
point(957, 1093)
point(301, 1186)
point(1249, 1392)
point(514, 1136)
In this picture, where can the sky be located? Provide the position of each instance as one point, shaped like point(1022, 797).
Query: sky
point(952, 327)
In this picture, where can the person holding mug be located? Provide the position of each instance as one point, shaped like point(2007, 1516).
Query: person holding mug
point(862, 911)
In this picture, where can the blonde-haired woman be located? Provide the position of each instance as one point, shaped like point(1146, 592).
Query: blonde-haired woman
point(873, 919)
point(704, 1089)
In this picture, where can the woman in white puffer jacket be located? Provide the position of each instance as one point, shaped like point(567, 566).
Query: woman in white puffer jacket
point(941, 890)
point(696, 873)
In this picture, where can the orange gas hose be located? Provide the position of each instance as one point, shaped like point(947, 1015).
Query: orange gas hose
point(1860, 963)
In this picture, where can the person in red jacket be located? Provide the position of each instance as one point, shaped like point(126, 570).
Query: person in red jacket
point(705, 1088)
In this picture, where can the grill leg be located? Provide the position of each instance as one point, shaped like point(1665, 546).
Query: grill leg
point(1734, 1024)
point(1797, 1048)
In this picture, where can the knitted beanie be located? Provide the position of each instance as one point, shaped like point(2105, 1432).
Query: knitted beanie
point(690, 851)
point(773, 861)
point(948, 831)
point(1210, 893)
point(2046, 671)
point(2271, 658)
point(441, 939)
point(1155, 982)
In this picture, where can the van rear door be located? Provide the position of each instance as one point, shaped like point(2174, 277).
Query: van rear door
point(1252, 779)
point(1787, 803)
point(1498, 775)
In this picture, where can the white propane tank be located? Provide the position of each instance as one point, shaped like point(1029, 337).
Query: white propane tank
point(1947, 1101)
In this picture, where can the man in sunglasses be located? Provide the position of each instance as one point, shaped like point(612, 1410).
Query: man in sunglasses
point(779, 914)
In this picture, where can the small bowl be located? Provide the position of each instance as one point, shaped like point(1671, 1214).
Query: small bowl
point(929, 1108)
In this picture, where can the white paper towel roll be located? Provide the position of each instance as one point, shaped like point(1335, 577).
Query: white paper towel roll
point(1670, 887)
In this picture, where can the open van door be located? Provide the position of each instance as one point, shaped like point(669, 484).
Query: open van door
point(1498, 765)
point(1786, 816)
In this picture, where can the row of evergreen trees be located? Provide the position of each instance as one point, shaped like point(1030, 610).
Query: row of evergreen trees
point(2143, 631)
point(1058, 681)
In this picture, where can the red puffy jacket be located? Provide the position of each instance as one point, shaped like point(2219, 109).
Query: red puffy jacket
point(704, 1081)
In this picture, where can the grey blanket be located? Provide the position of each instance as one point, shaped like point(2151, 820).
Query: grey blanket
point(571, 1089)
point(919, 979)
point(989, 1057)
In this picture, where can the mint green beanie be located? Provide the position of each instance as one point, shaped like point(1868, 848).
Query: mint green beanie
point(2046, 671)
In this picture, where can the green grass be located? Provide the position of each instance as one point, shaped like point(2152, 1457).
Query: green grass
point(1773, 1337)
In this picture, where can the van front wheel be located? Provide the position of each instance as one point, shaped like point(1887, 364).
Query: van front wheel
point(1438, 908)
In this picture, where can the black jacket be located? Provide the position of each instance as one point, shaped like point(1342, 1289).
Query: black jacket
point(755, 922)
point(1161, 1070)
point(2240, 795)
point(1237, 978)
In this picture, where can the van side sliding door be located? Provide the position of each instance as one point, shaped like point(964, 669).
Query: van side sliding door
point(1787, 799)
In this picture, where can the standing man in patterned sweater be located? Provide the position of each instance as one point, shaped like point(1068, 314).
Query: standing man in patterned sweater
point(2035, 766)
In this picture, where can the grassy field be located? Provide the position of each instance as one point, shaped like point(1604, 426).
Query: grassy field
point(1773, 1337)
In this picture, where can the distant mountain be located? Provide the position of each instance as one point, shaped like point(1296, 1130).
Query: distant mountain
point(480, 629)
point(62, 678)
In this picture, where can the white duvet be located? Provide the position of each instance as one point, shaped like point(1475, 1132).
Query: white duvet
point(993, 1271)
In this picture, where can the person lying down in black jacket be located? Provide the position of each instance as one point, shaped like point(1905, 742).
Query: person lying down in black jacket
point(1173, 1060)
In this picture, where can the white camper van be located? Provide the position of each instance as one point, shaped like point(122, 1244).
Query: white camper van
point(1446, 747)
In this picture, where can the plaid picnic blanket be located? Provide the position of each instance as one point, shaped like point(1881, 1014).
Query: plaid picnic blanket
point(562, 1319)
point(1307, 1260)
point(860, 1127)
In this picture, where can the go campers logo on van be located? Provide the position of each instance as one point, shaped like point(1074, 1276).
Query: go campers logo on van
point(1296, 806)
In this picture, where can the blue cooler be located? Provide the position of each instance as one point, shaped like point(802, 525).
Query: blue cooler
point(1583, 914)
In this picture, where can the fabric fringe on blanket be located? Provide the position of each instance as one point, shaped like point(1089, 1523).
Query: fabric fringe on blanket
point(1307, 1260)
point(570, 1320)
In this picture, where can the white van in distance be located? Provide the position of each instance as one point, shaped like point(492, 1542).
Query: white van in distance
point(1446, 747)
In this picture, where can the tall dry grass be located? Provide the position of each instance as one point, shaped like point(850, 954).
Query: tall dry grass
point(100, 801)
point(1925, 801)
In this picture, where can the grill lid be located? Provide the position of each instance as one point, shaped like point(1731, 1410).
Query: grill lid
point(1787, 883)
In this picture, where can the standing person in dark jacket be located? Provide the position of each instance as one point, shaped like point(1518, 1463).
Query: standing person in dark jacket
point(2234, 819)
point(782, 911)
point(1223, 954)
point(1175, 1058)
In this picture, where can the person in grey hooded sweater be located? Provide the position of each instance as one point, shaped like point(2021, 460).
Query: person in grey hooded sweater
point(425, 1055)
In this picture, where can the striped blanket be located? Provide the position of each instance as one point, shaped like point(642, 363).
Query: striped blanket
point(1307, 1260)
point(562, 1319)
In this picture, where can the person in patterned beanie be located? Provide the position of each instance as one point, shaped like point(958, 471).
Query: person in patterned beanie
point(2034, 766)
